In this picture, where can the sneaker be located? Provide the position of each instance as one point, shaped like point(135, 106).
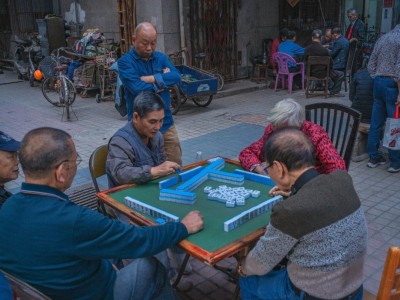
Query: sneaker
point(393, 169)
point(373, 163)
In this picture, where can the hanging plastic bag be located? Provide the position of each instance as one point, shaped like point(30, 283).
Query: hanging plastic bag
point(391, 137)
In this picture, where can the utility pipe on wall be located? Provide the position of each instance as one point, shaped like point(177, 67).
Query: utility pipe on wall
point(182, 31)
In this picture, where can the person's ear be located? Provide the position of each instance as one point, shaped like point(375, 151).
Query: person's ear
point(133, 39)
point(60, 173)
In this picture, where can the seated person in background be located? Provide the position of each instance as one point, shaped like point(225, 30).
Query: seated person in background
point(289, 113)
point(325, 251)
point(361, 94)
point(275, 44)
point(316, 49)
point(67, 248)
point(326, 39)
point(136, 151)
point(291, 48)
point(339, 50)
point(8, 164)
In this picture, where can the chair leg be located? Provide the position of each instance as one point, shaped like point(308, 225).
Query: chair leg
point(326, 88)
point(290, 83)
point(276, 81)
point(345, 83)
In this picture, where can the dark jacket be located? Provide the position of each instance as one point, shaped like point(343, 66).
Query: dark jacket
point(361, 94)
point(316, 49)
point(339, 53)
point(358, 31)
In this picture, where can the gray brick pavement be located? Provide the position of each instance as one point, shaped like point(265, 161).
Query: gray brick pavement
point(226, 126)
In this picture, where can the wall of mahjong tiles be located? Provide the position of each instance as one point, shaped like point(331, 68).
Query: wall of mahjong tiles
point(213, 236)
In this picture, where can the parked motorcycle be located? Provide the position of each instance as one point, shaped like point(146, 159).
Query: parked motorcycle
point(27, 56)
point(366, 53)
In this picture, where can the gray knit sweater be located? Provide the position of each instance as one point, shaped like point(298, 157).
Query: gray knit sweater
point(322, 232)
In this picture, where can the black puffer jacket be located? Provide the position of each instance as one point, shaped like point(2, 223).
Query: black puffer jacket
point(362, 94)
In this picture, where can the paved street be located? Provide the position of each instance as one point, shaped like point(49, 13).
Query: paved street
point(228, 125)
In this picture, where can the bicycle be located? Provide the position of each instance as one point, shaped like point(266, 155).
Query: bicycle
point(57, 88)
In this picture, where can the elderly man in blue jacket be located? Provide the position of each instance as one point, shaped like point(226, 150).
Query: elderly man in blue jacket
point(339, 50)
point(144, 69)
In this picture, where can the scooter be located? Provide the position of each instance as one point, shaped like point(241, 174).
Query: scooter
point(27, 56)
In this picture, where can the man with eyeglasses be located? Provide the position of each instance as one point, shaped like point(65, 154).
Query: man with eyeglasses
point(64, 249)
point(356, 28)
point(320, 230)
point(8, 164)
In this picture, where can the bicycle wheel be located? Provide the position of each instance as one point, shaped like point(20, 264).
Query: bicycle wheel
point(202, 101)
point(68, 94)
point(51, 89)
point(221, 82)
point(175, 96)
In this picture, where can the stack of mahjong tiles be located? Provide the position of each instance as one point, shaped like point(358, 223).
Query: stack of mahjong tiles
point(230, 196)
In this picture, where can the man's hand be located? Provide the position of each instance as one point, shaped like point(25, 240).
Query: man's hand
point(148, 79)
point(398, 100)
point(166, 168)
point(166, 70)
point(275, 191)
point(193, 221)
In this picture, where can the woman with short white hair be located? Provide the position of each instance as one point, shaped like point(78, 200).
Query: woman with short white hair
point(290, 113)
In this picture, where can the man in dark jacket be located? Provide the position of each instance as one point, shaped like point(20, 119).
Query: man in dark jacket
point(356, 28)
point(316, 49)
point(64, 249)
point(362, 94)
point(339, 50)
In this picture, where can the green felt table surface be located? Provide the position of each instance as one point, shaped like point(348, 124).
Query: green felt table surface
point(213, 236)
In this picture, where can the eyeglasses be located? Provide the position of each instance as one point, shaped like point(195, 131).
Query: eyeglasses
point(267, 167)
point(78, 160)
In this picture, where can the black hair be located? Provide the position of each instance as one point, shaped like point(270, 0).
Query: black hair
point(283, 33)
point(336, 30)
point(291, 34)
point(291, 147)
point(147, 102)
point(42, 149)
point(316, 33)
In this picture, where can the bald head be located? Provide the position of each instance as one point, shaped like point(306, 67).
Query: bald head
point(42, 149)
point(145, 40)
point(291, 147)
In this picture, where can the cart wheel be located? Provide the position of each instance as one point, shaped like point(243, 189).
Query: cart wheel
point(98, 99)
point(221, 82)
point(175, 98)
point(202, 101)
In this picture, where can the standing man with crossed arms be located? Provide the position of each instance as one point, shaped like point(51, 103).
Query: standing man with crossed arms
point(144, 69)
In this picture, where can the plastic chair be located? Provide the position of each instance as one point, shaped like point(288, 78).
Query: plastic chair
point(324, 61)
point(97, 168)
point(389, 288)
point(22, 290)
point(340, 122)
point(282, 60)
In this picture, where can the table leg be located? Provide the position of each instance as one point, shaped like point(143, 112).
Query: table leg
point(181, 270)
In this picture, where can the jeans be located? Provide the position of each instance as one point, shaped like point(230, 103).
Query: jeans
point(144, 278)
point(5, 288)
point(385, 96)
point(273, 286)
point(172, 145)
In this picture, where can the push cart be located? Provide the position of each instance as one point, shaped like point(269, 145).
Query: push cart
point(196, 85)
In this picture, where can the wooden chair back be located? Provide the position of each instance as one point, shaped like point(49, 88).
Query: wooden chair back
point(325, 63)
point(351, 62)
point(389, 288)
point(97, 168)
point(22, 290)
point(340, 122)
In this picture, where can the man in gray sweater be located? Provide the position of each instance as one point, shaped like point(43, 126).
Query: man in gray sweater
point(136, 151)
point(319, 231)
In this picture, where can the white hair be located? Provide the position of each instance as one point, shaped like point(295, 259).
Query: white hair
point(286, 112)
